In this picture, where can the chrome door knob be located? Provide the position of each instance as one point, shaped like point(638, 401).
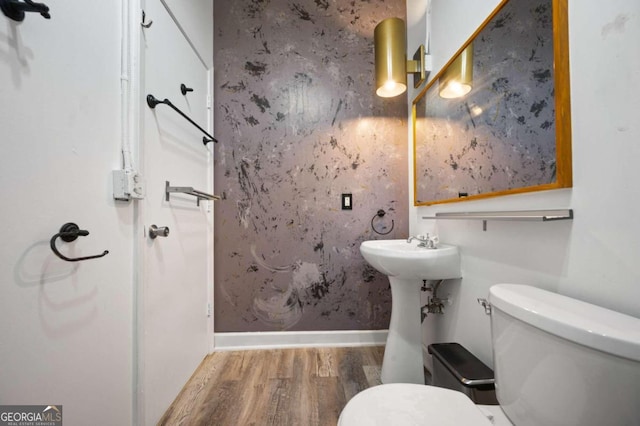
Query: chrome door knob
point(158, 231)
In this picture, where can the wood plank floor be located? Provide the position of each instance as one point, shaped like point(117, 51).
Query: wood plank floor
point(275, 387)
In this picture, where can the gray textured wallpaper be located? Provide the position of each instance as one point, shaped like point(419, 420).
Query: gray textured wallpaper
point(299, 124)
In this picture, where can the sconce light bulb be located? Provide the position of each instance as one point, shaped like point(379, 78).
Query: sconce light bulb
point(391, 88)
point(454, 89)
point(457, 79)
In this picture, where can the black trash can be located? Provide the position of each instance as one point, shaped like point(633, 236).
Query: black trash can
point(454, 367)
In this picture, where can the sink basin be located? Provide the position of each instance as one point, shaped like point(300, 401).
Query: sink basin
point(407, 265)
point(397, 258)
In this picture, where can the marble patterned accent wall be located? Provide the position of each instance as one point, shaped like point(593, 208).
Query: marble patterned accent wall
point(502, 134)
point(299, 125)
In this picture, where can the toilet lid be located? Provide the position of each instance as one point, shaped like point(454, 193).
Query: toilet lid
point(405, 404)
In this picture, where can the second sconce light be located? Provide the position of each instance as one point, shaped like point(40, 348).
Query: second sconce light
point(457, 79)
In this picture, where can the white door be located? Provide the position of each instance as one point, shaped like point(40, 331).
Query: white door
point(175, 329)
point(65, 327)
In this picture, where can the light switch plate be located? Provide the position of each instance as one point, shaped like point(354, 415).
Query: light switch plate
point(347, 202)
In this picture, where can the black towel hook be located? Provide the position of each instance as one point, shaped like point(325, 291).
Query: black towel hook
point(70, 232)
point(143, 23)
point(15, 9)
point(380, 213)
point(184, 89)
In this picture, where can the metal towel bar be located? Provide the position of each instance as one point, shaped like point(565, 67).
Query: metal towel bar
point(523, 215)
point(528, 215)
point(168, 189)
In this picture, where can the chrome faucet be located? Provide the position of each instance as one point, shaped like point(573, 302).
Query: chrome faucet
point(425, 241)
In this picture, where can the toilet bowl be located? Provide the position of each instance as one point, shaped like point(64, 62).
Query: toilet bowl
point(557, 361)
point(407, 404)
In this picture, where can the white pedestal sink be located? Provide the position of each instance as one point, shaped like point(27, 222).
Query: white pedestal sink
point(407, 265)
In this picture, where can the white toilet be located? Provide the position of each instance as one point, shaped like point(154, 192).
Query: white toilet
point(557, 361)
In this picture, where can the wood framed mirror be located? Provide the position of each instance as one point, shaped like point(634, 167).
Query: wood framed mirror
point(512, 132)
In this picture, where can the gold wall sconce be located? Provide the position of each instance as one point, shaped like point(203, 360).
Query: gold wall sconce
point(392, 66)
point(457, 79)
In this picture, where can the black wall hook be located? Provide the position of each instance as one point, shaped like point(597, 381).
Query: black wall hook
point(380, 213)
point(70, 232)
point(143, 23)
point(15, 9)
point(184, 89)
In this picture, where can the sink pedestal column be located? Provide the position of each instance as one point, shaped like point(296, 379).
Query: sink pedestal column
point(402, 361)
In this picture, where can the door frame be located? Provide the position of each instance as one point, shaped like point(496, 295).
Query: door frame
point(132, 130)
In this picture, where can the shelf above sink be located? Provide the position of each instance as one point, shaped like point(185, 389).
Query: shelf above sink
point(525, 215)
point(521, 215)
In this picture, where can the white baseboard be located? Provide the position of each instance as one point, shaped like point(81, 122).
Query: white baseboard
point(297, 339)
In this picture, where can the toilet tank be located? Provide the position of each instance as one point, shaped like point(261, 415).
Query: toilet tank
point(560, 361)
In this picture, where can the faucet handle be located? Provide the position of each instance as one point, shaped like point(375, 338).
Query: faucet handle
point(431, 242)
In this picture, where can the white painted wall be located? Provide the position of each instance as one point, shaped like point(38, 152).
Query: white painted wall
point(68, 331)
point(594, 257)
point(194, 19)
point(65, 328)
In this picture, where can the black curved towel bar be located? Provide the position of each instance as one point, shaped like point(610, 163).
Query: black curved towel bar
point(152, 101)
point(70, 232)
